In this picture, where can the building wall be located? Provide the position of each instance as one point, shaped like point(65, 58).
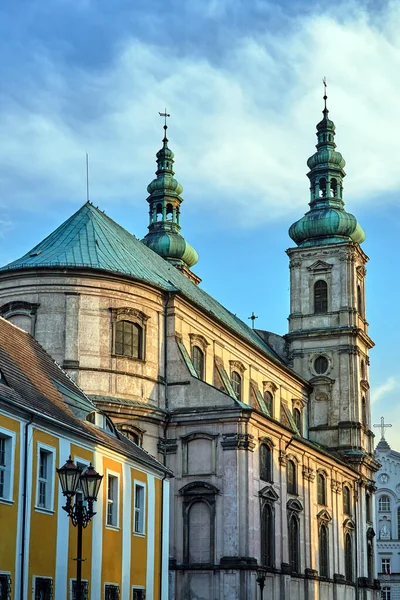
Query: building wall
point(112, 554)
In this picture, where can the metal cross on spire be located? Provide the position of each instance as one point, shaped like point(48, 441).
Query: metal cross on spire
point(253, 318)
point(165, 115)
point(325, 90)
point(382, 426)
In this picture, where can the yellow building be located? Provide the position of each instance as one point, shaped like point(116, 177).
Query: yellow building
point(44, 418)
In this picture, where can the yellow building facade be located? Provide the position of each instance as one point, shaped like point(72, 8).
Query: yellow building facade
point(44, 418)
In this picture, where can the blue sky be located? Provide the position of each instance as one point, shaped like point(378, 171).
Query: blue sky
point(242, 81)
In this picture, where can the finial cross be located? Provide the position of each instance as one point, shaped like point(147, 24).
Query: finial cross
point(325, 90)
point(165, 115)
point(253, 318)
point(382, 427)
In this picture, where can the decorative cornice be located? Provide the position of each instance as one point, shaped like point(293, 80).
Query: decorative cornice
point(238, 441)
point(167, 446)
point(19, 306)
point(324, 517)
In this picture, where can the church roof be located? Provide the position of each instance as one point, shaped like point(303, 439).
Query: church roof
point(91, 239)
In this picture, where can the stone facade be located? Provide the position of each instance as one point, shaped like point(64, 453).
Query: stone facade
point(387, 513)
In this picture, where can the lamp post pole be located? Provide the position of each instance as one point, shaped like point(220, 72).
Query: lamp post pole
point(70, 477)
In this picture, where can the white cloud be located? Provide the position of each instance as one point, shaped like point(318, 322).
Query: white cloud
point(384, 388)
point(241, 128)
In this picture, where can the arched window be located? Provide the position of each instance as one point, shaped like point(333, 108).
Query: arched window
point(265, 463)
point(297, 419)
point(346, 501)
point(199, 525)
point(237, 384)
point(362, 365)
point(198, 361)
point(348, 557)
point(368, 507)
point(321, 489)
point(129, 339)
point(364, 415)
point(360, 306)
point(320, 297)
point(291, 477)
point(323, 551)
point(384, 504)
point(322, 187)
point(294, 549)
point(269, 402)
point(267, 535)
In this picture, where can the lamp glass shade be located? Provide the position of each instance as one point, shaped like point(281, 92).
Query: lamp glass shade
point(69, 477)
point(91, 482)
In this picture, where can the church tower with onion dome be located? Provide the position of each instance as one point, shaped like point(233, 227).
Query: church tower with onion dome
point(165, 200)
point(328, 331)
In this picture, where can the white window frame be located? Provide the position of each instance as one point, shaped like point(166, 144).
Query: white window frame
point(141, 484)
point(139, 588)
point(9, 581)
point(386, 565)
point(50, 451)
point(42, 577)
point(386, 592)
point(8, 470)
point(114, 502)
point(71, 581)
point(112, 583)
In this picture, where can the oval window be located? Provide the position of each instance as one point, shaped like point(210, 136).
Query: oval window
point(321, 365)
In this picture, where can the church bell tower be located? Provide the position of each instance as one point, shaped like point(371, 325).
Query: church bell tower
point(328, 331)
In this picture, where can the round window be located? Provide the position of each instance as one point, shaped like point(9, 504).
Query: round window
point(321, 365)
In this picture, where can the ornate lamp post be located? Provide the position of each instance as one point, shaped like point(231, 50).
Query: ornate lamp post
point(70, 476)
point(261, 581)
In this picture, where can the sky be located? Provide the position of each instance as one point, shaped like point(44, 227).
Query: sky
point(242, 80)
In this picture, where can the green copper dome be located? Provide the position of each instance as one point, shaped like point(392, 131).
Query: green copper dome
point(164, 235)
point(327, 222)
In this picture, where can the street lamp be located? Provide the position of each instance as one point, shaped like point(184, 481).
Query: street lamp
point(70, 476)
point(261, 581)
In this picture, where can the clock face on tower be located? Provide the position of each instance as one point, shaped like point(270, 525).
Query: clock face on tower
point(383, 478)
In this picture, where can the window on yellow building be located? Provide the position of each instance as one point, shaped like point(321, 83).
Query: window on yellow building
point(138, 593)
point(111, 591)
point(84, 590)
point(112, 500)
point(139, 508)
point(45, 478)
point(43, 588)
point(6, 455)
point(5, 586)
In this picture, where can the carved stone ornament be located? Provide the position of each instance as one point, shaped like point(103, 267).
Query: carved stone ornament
point(320, 266)
point(269, 386)
point(238, 441)
point(294, 264)
point(282, 458)
point(308, 473)
point(198, 340)
point(298, 403)
point(361, 271)
point(383, 478)
point(268, 493)
point(349, 524)
point(336, 486)
point(324, 517)
point(131, 313)
point(236, 365)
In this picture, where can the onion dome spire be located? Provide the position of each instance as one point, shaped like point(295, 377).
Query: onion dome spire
point(165, 199)
point(327, 222)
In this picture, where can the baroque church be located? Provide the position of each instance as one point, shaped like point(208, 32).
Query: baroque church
point(269, 437)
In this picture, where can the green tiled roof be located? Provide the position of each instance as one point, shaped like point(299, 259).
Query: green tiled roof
point(90, 239)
